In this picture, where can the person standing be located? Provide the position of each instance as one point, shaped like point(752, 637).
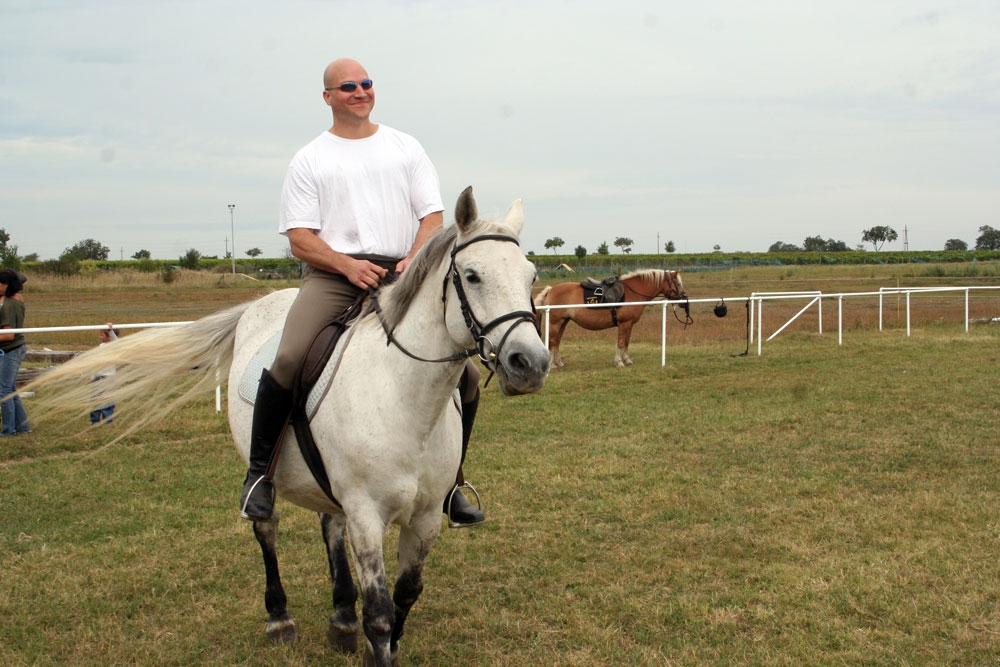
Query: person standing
point(13, 348)
point(348, 206)
point(104, 414)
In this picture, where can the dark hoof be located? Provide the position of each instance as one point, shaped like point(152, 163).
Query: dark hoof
point(369, 658)
point(342, 640)
point(282, 632)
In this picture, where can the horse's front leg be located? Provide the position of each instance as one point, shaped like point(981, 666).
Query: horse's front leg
point(415, 542)
point(365, 535)
point(280, 626)
point(342, 634)
point(621, 353)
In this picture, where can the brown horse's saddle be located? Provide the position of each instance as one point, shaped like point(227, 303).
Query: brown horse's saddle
point(609, 290)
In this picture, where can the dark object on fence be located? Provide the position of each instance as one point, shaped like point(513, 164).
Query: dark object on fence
point(720, 309)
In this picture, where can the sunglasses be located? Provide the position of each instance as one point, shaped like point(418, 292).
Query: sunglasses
point(351, 86)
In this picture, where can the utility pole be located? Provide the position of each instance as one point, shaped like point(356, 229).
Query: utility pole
point(232, 230)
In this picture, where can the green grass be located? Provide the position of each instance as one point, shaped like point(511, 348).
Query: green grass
point(818, 505)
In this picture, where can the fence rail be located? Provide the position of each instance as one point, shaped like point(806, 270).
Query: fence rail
point(756, 309)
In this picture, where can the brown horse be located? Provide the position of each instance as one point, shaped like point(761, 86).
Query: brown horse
point(645, 285)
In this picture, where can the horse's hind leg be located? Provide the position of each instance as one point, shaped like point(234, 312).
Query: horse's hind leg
point(342, 635)
point(280, 626)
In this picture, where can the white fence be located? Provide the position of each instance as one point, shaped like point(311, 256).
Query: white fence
point(756, 309)
point(756, 312)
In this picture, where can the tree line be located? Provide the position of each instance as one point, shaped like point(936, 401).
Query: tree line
point(91, 249)
point(878, 236)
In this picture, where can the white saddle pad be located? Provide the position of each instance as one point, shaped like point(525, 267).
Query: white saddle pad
point(263, 359)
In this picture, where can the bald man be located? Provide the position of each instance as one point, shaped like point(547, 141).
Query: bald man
point(348, 207)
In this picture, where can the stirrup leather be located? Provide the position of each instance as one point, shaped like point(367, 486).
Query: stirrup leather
point(454, 490)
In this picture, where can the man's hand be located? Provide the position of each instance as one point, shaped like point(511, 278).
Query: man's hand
point(363, 273)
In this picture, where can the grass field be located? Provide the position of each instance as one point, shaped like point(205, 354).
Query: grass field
point(820, 504)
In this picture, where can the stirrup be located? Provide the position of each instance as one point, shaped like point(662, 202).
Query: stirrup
point(454, 490)
point(246, 500)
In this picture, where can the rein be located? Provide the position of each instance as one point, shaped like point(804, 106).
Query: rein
point(686, 306)
point(478, 329)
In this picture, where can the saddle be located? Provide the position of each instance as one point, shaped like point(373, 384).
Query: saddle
point(320, 351)
point(609, 290)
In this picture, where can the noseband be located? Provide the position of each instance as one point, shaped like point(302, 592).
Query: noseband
point(488, 351)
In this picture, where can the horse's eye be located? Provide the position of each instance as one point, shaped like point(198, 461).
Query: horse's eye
point(472, 277)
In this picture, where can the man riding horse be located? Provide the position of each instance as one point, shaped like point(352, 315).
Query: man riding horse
point(347, 207)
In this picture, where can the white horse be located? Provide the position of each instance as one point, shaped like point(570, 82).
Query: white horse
point(388, 427)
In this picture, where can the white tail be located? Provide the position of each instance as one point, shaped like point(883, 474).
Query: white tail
point(158, 370)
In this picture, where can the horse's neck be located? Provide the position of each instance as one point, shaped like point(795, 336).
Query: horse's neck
point(423, 332)
point(643, 286)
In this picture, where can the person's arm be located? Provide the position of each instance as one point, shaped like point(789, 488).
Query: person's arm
point(429, 226)
point(308, 247)
point(4, 337)
point(111, 332)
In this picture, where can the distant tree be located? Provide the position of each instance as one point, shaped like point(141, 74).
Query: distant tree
point(717, 248)
point(189, 260)
point(814, 244)
point(956, 244)
point(67, 265)
point(8, 253)
point(287, 253)
point(835, 246)
point(603, 248)
point(554, 242)
point(989, 238)
point(781, 246)
point(31, 257)
point(141, 254)
point(253, 252)
point(670, 247)
point(625, 243)
point(580, 252)
point(878, 236)
point(88, 249)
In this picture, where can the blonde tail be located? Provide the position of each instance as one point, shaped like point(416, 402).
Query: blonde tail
point(157, 371)
point(541, 296)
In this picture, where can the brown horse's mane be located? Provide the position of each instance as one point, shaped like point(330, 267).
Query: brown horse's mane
point(653, 277)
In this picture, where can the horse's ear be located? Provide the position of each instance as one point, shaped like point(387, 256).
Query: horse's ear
point(515, 217)
point(465, 210)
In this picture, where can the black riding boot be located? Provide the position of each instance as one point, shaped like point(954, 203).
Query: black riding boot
point(460, 511)
point(270, 415)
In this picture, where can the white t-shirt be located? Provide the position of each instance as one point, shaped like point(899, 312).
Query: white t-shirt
point(363, 195)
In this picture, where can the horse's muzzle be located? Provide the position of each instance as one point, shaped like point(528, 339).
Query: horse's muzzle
point(522, 367)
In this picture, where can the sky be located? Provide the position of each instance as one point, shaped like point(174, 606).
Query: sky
point(718, 123)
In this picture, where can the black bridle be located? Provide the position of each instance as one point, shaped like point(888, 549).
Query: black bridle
point(488, 351)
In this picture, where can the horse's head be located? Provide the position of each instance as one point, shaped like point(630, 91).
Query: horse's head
point(489, 303)
point(673, 286)
point(673, 289)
